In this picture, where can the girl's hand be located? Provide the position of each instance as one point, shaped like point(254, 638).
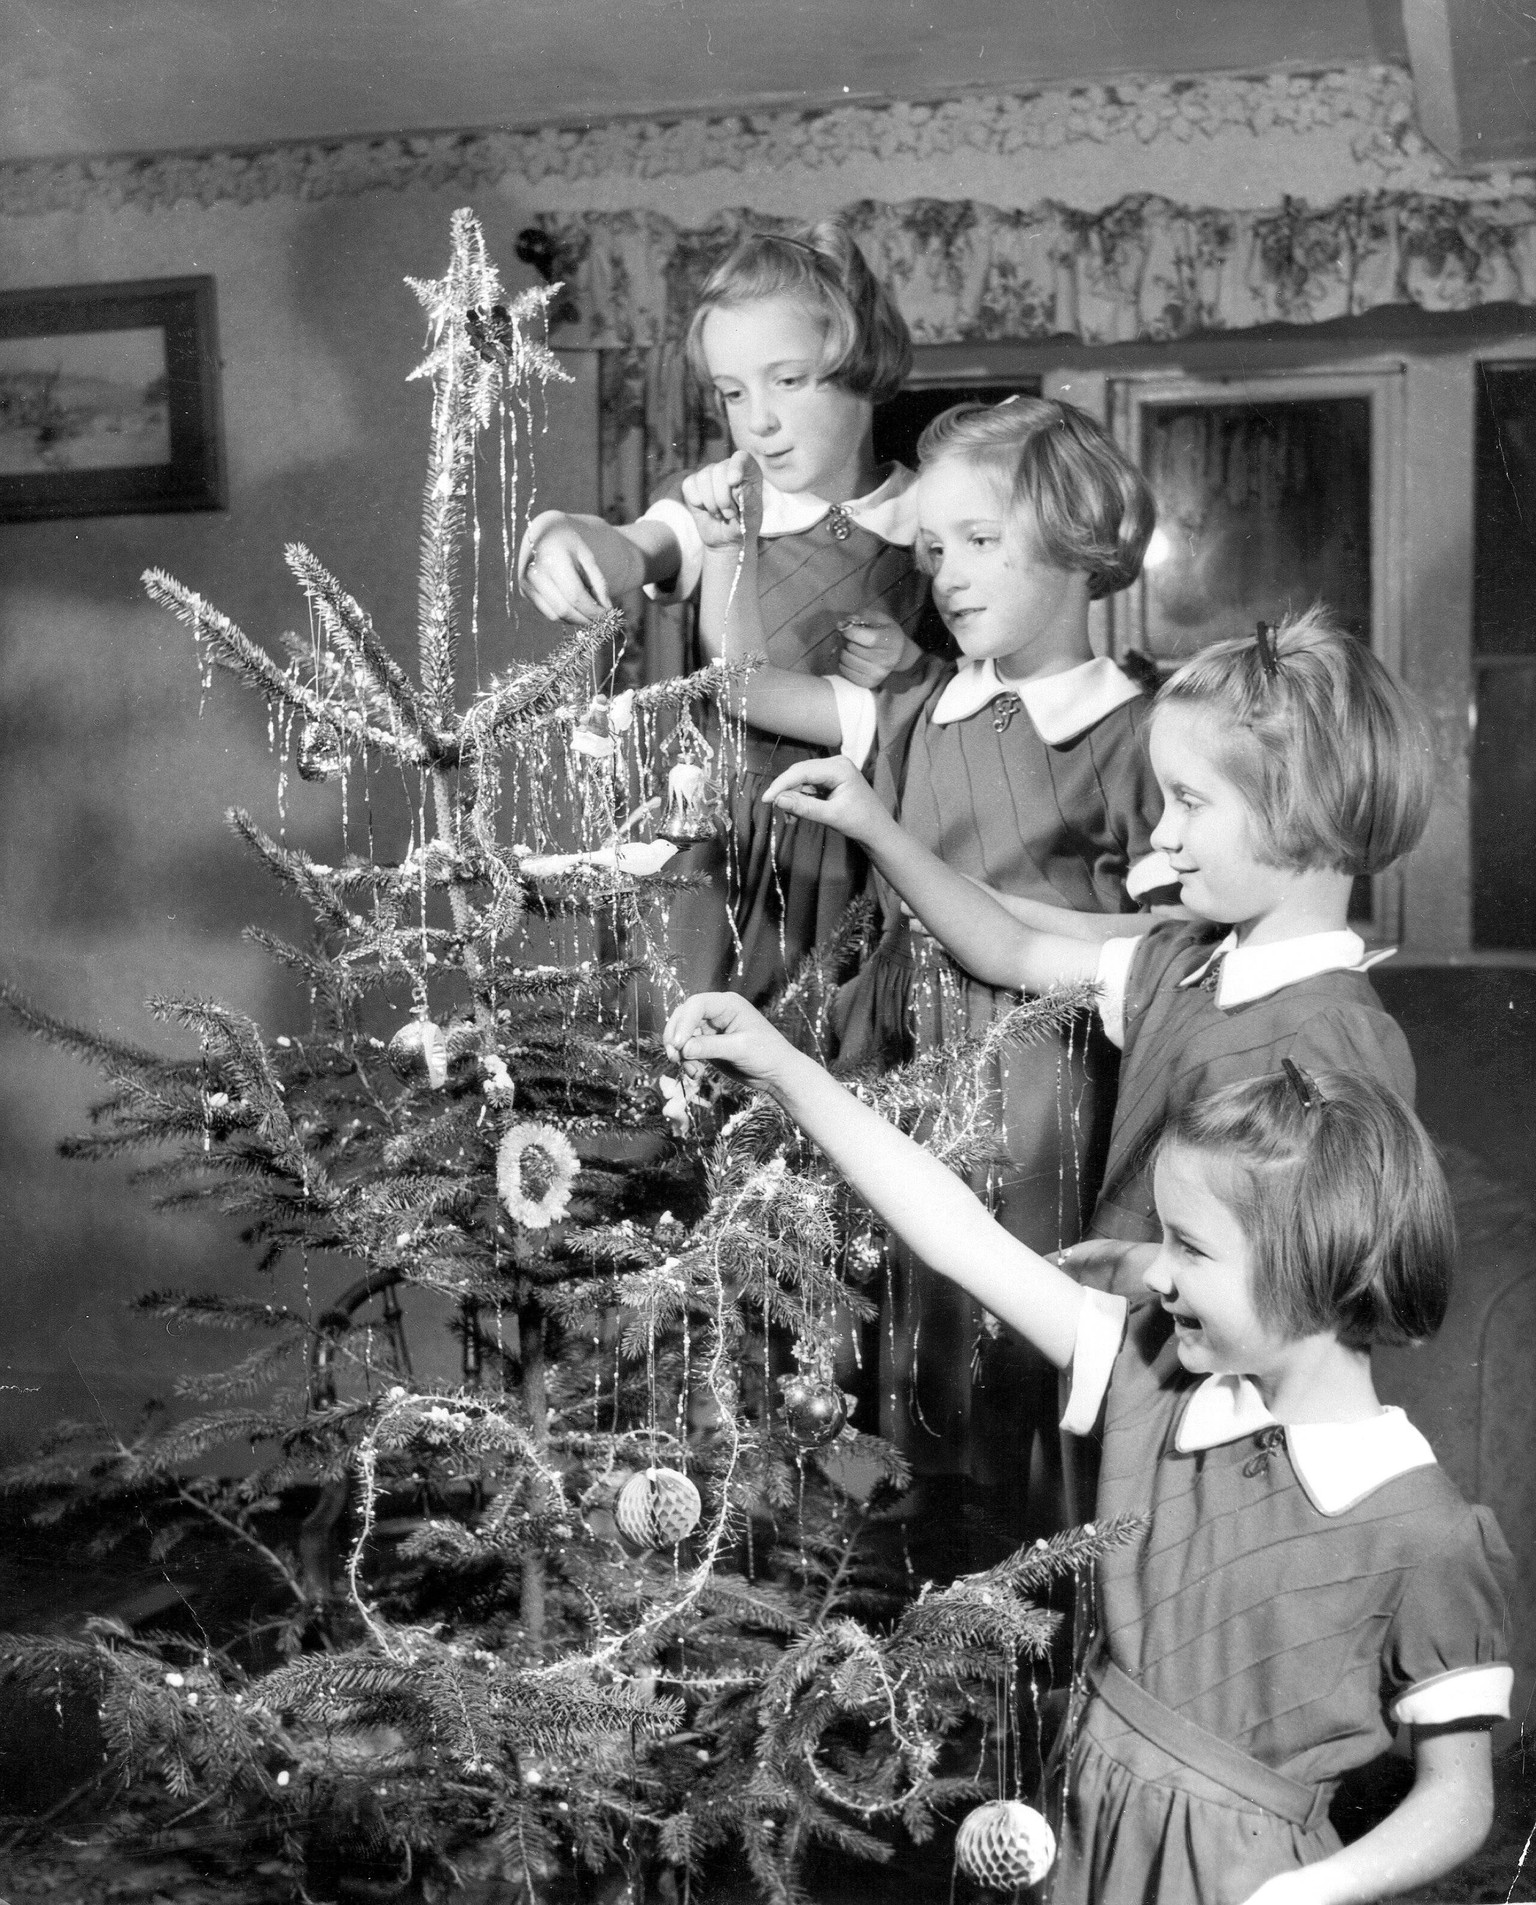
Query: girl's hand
point(558, 573)
point(721, 1029)
point(726, 501)
point(875, 645)
point(833, 793)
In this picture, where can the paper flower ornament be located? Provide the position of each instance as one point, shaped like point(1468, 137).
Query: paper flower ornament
point(535, 1169)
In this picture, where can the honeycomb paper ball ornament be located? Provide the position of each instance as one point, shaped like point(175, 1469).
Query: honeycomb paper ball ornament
point(814, 1412)
point(657, 1508)
point(1005, 1845)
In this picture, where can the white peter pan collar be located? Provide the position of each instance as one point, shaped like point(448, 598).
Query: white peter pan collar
point(1337, 1463)
point(889, 511)
point(1061, 706)
point(1253, 972)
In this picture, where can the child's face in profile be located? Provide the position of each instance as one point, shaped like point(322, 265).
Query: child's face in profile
point(805, 435)
point(1000, 597)
point(1203, 1274)
point(1207, 829)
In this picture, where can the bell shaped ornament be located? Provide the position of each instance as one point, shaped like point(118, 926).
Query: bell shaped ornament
point(695, 805)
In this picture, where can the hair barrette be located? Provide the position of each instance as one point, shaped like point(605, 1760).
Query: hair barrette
point(1304, 1086)
point(1269, 659)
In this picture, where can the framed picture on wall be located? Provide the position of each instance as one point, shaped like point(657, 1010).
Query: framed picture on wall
point(109, 400)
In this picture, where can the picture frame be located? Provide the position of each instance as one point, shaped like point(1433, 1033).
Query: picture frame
point(109, 400)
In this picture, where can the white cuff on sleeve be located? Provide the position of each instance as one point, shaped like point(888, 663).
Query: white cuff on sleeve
point(1146, 875)
point(1113, 976)
point(1100, 1329)
point(856, 718)
point(1465, 1693)
point(674, 515)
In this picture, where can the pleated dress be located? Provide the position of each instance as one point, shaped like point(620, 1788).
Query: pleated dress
point(1059, 820)
point(786, 883)
point(1295, 1594)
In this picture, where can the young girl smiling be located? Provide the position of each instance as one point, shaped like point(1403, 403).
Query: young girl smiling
point(1290, 764)
point(1307, 1578)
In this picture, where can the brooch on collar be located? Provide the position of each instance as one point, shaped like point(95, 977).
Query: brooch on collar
point(1004, 708)
point(839, 522)
point(1266, 1442)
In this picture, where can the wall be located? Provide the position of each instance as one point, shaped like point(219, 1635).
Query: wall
point(118, 878)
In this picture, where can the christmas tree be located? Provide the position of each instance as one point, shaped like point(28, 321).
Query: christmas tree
point(615, 1598)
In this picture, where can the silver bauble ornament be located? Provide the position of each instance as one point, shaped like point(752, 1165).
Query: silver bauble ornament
point(420, 1050)
point(1005, 1845)
point(814, 1412)
point(319, 755)
point(657, 1508)
point(695, 805)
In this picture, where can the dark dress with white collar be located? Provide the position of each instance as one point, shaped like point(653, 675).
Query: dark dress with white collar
point(779, 887)
point(1181, 1045)
point(1056, 822)
point(1265, 1641)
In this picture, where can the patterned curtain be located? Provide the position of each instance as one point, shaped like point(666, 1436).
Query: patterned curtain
point(1142, 269)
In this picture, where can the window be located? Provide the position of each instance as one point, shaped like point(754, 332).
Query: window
point(899, 423)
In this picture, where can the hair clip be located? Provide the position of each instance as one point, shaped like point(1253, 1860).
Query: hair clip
point(1304, 1086)
point(1269, 659)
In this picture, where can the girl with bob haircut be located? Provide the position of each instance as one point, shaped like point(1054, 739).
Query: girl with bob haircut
point(797, 341)
point(1020, 766)
point(1323, 744)
point(1305, 1577)
point(1289, 762)
point(1088, 505)
point(866, 346)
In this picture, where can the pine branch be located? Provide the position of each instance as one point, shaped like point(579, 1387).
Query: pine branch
point(229, 647)
point(352, 631)
point(110, 1054)
point(536, 692)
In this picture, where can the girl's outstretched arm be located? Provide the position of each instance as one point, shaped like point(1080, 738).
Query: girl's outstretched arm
point(974, 929)
point(1095, 927)
point(1442, 1822)
point(922, 1201)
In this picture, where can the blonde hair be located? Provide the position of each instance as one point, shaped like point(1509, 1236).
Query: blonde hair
point(867, 348)
point(1092, 508)
point(1324, 745)
point(1341, 1200)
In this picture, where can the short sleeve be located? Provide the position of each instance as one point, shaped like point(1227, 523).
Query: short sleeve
point(1100, 1332)
point(1447, 1648)
point(672, 512)
point(857, 713)
point(1133, 804)
point(1113, 977)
